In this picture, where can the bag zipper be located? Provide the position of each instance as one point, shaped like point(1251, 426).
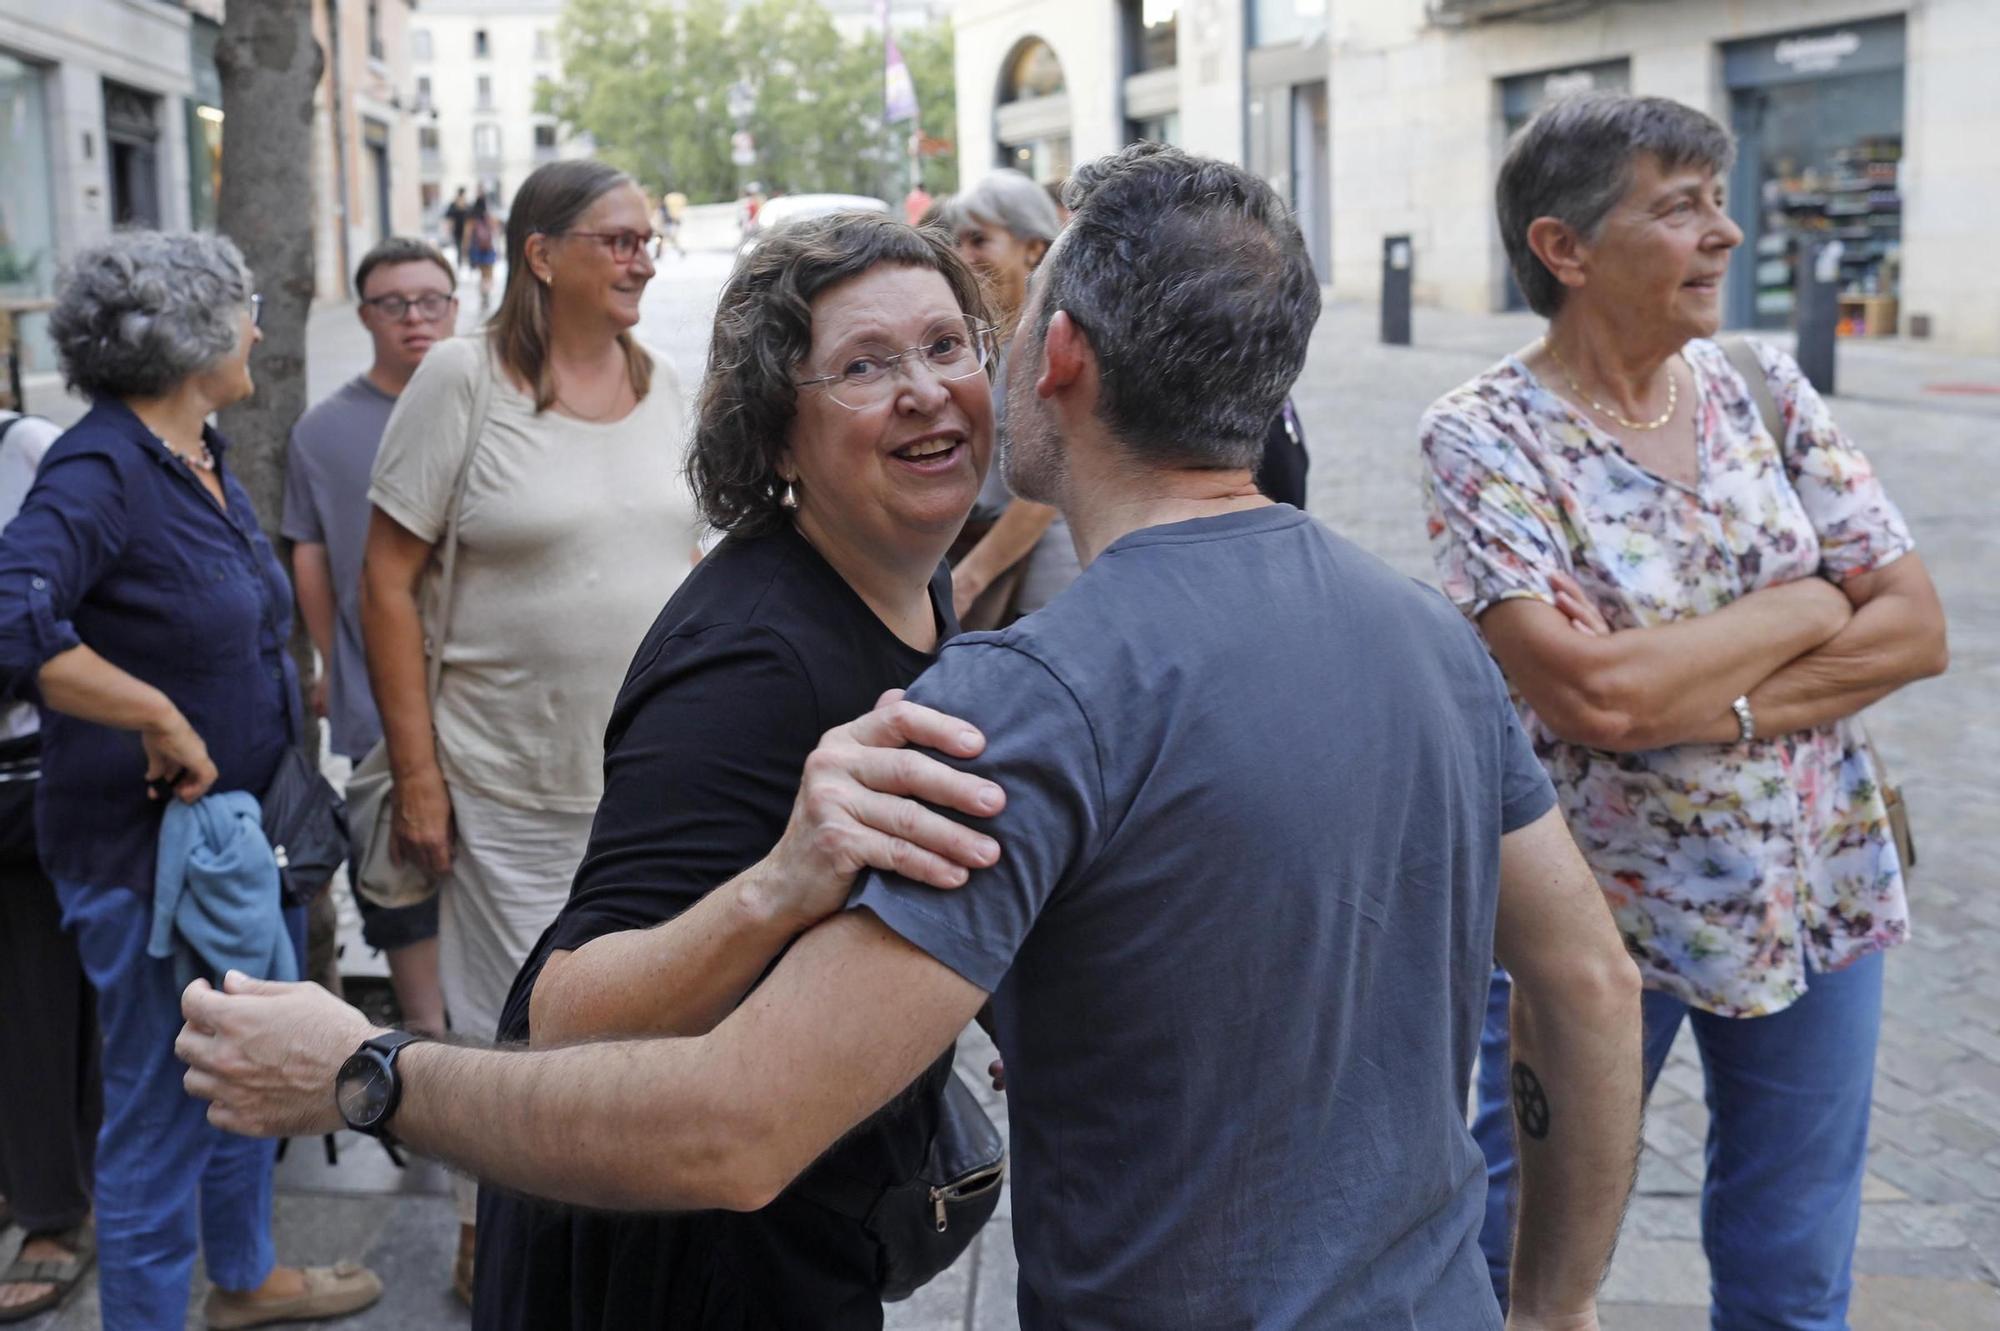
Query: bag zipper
point(976, 1183)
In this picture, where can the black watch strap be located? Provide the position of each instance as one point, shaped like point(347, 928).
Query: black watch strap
point(384, 1050)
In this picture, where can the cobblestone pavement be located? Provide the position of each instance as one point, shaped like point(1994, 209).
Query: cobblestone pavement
point(1929, 1254)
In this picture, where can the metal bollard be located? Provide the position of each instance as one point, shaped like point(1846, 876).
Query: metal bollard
point(1397, 267)
point(1818, 308)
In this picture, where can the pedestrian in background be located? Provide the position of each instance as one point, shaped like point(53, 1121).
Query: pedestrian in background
point(48, 1016)
point(673, 204)
point(456, 214)
point(404, 290)
point(1016, 554)
point(142, 605)
point(1693, 607)
point(574, 528)
point(482, 233)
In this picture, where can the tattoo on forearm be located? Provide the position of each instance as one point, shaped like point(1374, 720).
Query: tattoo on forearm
point(1531, 1102)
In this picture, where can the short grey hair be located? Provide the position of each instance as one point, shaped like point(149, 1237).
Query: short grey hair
point(140, 312)
point(1008, 199)
point(1573, 162)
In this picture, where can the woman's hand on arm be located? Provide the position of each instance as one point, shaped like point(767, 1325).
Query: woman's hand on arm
point(1013, 535)
point(392, 634)
point(1896, 637)
point(1648, 688)
point(861, 804)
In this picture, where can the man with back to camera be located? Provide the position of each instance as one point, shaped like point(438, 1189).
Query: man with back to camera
point(404, 293)
point(1265, 817)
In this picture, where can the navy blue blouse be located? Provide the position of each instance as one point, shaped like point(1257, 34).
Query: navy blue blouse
point(119, 546)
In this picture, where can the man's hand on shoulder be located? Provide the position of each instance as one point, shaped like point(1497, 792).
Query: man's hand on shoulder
point(264, 1054)
point(862, 804)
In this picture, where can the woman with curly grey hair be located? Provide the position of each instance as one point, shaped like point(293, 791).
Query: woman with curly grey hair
point(841, 433)
point(1695, 583)
point(143, 608)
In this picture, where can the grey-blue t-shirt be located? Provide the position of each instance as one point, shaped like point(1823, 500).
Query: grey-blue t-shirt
point(326, 502)
point(1240, 935)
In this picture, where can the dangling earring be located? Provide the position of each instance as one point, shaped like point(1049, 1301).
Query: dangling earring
point(790, 498)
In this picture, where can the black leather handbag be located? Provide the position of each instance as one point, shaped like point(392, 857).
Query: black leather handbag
point(923, 1225)
point(306, 824)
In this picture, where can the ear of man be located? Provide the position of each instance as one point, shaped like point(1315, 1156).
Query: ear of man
point(1067, 356)
point(1560, 249)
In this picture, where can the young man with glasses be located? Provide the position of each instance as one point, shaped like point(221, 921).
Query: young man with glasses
point(406, 302)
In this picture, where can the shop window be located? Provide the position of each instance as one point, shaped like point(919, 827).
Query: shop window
point(1818, 118)
point(1150, 35)
point(481, 47)
point(1033, 71)
point(1157, 129)
point(1278, 22)
point(27, 193)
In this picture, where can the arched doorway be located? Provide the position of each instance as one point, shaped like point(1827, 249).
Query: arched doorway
point(1031, 121)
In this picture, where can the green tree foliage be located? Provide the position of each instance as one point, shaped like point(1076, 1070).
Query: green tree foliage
point(649, 81)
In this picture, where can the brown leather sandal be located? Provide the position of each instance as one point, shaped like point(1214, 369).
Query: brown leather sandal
point(331, 1291)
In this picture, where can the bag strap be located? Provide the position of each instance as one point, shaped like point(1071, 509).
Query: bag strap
point(1743, 357)
point(447, 551)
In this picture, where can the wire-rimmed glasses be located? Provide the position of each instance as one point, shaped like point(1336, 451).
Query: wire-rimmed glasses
point(954, 348)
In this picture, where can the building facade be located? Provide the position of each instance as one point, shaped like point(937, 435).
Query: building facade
point(1865, 121)
point(479, 66)
point(366, 121)
point(94, 98)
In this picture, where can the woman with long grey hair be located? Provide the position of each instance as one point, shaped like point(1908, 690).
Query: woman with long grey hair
point(143, 608)
point(1695, 583)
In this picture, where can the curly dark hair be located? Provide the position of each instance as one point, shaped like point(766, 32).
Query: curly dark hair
point(763, 330)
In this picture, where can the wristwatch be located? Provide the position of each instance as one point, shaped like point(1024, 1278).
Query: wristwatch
point(368, 1087)
point(1746, 724)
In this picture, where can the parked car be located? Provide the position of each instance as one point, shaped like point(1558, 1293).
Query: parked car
point(789, 208)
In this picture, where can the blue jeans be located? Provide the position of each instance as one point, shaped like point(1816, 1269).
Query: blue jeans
point(163, 1174)
point(1788, 1098)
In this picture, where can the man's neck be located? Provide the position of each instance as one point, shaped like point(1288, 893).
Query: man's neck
point(392, 379)
point(1108, 498)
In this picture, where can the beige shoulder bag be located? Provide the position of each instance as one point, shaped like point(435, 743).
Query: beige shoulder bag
point(370, 791)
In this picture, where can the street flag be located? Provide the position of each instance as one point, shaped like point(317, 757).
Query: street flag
point(899, 101)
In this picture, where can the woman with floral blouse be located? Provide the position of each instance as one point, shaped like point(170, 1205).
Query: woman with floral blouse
point(1692, 613)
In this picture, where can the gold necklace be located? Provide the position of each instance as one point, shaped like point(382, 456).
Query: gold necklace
point(1673, 395)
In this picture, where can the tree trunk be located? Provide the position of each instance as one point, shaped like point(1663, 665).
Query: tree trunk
point(270, 64)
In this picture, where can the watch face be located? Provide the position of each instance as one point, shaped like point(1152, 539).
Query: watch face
point(362, 1089)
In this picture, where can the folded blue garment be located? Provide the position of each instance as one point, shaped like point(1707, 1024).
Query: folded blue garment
point(217, 903)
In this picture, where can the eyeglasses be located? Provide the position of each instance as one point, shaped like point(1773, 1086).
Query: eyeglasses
point(256, 310)
point(624, 245)
point(955, 349)
point(430, 305)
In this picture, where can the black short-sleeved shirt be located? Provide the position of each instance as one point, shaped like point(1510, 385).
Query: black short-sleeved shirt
point(761, 651)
